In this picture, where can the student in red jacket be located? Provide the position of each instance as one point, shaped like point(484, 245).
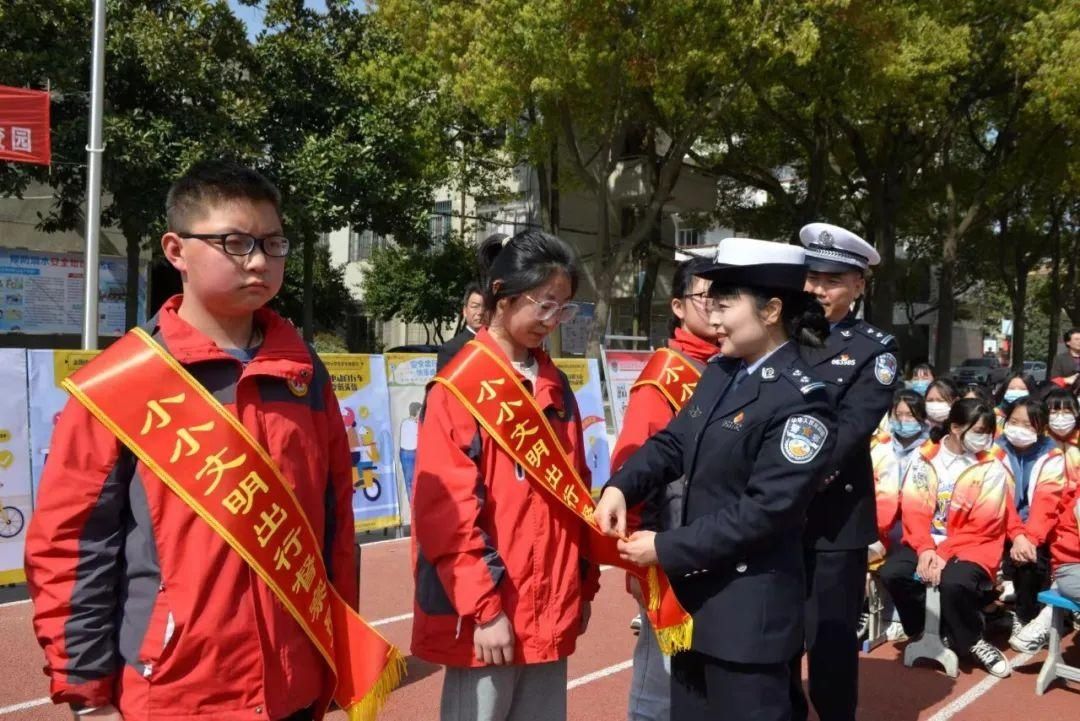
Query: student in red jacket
point(143, 609)
point(955, 510)
point(693, 338)
point(1038, 466)
point(1064, 534)
point(502, 585)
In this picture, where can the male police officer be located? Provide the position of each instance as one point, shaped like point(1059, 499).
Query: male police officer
point(859, 367)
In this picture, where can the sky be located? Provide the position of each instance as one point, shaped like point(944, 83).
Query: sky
point(253, 16)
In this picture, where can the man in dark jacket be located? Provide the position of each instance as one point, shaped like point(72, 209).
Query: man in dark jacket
point(1067, 363)
point(472, 311)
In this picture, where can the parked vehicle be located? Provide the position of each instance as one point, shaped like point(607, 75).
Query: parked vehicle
point(985, 371)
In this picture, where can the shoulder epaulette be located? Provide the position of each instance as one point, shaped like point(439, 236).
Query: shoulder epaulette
point(878, 336)
point(802, 380)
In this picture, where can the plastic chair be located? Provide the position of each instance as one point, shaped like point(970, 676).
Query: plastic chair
point(1053, 667)
point(930, 645)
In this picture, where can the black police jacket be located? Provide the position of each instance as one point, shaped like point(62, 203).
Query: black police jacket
point(753, 458)
point(859, 366)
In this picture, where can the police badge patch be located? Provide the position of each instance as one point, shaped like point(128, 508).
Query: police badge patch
point(885, 369)
point(803, 439)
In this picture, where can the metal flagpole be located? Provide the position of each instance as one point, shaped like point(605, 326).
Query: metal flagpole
point(94, 152)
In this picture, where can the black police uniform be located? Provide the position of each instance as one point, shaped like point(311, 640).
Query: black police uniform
point(859, 366)
point(753, 448)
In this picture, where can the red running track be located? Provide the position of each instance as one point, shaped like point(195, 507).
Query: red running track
point(599, 671)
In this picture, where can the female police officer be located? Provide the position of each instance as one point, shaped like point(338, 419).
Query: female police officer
point(751, 442)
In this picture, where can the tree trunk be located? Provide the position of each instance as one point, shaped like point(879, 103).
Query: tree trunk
point(946, 305)
point(309, 286)
point(131, 293)
point(1019, 320)
point(1055, 287)
point(648, 285)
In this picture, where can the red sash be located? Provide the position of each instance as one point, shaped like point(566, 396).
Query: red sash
point(204, 455)
point(674, 375)
point(494, 396)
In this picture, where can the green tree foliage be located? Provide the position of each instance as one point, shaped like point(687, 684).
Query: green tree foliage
point(420, 284)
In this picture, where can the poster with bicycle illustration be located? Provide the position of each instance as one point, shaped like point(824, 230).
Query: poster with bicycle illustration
point(360, 385)
point(46, 370)
point(16, 490)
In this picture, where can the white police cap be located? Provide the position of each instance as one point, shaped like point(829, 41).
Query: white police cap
point(832, 249)
point(757, 263)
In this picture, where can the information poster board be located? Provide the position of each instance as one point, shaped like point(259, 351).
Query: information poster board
point(623, 368)
point(47, 369)
point(42, 293)
point(16, 487)
point(584, 377)
point(360, 385)
point(407, 376)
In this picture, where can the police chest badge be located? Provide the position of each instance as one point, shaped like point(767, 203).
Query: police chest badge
point(885, 369)
point(803, 439)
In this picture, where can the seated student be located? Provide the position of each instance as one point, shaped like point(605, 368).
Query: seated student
point(921, 378)
point(1012, 389)
point(1064, 537)
point(1038, 467)
point(954, 509)
point(940, 396)
point(892, 454)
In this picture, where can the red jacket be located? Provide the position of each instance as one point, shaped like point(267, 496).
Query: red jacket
point(485, 542)
point(1044, 499)
point(648, 411)
point(976, 509)
point(1065, 536)
point(137, 601)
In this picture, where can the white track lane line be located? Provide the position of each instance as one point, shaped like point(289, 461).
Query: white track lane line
point(25, 705)
point(597, 675)
point(976, 692)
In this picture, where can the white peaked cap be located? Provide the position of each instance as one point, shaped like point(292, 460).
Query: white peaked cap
point(832, 249)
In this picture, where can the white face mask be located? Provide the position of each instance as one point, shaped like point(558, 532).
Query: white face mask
point(1062, 423)
point(1020, 436)
point(977, 442)
point(938, 411)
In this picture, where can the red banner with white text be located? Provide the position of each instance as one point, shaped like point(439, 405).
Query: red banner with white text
point(24, 125)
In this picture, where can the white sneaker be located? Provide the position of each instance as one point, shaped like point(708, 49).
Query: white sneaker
point(863, 630)
point(1035, 635)
point(895, 632)
point(1008, 593)
point(991, 659)
point(635, 625)
point(1017, 626)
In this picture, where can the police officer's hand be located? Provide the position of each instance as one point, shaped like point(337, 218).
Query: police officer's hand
point(640, 549)
point(1023, 550)
point(493, 642)
point(610, 513)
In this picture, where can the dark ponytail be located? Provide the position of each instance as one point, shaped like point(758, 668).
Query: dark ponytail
point(966, 412)
point(682, 281)
point(522, 263)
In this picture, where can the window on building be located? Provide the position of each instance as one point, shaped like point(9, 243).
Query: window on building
point(362, 243)
point(690, 237)
point(439, 223)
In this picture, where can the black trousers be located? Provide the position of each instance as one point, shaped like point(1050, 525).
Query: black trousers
point(836, 584)
point(965, 589)
point(704, 688)
point(1028, 580)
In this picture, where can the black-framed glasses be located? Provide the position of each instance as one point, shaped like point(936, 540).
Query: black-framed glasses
point(548, 309)
point(273, 246)
point(703, 301)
